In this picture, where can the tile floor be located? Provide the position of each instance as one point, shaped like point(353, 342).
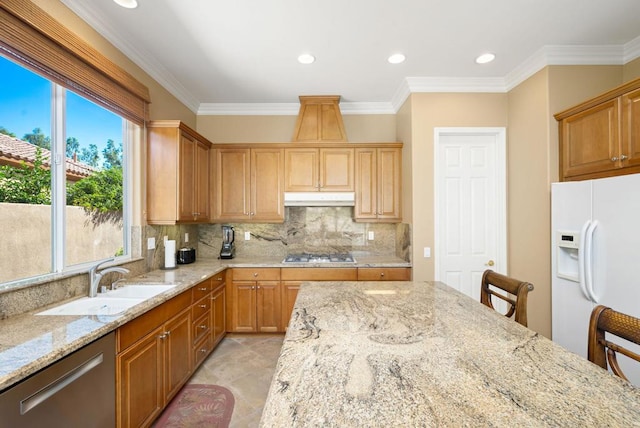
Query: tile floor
point(244, 364)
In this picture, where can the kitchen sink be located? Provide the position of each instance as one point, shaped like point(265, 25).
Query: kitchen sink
point(94, 306)
point(110, 303)
point(138, 291)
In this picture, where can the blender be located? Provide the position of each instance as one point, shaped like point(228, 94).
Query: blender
point(228, 250)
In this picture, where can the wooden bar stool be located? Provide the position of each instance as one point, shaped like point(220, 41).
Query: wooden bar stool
point(602, 351)
point(517, 288)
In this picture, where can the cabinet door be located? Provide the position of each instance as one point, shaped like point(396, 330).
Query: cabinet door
point(384, 274)
point(389, 165)
point(301, 170)
point(219, 316)
point(201, 194)
point(267, 185)
point(243, 301)
point(590, 140)
point(269, 306)
point(631, 128)
point(289, 294)
point(139, 377)
point(366, 183)
point(177, 347)
point(187, 179)
point(336, 170)
point(232, 184)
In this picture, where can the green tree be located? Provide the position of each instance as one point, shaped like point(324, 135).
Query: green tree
point(90, 155)
point(112, 155)
point(26, 184)
point(72, 146)
point(37, 138)
point(5, 131)
point(102, 191)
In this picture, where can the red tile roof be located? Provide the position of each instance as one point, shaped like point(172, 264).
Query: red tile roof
point(14, 150)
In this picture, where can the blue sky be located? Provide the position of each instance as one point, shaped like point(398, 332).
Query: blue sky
point(25, 105)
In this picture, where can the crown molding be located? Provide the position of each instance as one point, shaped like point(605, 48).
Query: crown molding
point(547, 55)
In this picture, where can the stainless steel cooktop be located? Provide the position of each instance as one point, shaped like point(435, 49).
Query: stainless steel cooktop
point(319, 258)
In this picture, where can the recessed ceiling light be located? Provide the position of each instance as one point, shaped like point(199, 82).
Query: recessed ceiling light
point(306, 59)
point(485, 58)
point(129, 4)
point(396, 58)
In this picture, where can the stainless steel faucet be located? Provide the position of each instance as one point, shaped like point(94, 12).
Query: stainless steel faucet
point(95, 276)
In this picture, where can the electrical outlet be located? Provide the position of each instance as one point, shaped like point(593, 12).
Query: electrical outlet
point(427, 252)
point(370, 236)
point(151, 243)
point(247, 236)
point(186, 237)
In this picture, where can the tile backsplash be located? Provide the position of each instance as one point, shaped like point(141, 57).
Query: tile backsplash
point(310, 229)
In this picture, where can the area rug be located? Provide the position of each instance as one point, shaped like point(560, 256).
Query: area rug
point(198, 405)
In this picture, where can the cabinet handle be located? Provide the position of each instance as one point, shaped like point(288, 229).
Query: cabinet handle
point(203, 306)
point(253, 288)
point(168, 333)
point(255, 274)
point(381, 274)
point(258, 287)
point(162, 336)
point(203, 350)
point(203, 327)
point(623, 157)
point(615, 158)
point(219, 279)
point(202, 289)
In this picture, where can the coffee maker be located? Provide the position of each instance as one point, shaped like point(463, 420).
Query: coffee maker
point(228, 250)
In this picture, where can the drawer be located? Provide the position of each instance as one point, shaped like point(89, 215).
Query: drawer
point(319, 274)
point(218, 279)
point(258, 274)
point(384, 274)
point(201, 350)
point(139, 327)
point(201, 289)
point(201, 307)
point(201, 327)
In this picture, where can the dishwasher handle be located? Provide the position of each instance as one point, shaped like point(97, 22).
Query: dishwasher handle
point(48, 391)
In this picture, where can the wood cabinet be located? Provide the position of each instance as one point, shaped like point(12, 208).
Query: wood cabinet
point(319, 119)
point(319, 169)
point(292, 278)
point(177, 174)
point(248, 184)
point(378, 184)
point(255, 301)
point(153, 362)
point(218, 308)
point(601, 137)
point(384, 274)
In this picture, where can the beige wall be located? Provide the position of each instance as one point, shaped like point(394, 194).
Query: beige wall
point(279, 129)
point(631, 70)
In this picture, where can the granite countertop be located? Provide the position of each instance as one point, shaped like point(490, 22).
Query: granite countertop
point(400, 354)
point(31, 342)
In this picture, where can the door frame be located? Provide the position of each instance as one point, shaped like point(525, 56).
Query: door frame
point(500, 162)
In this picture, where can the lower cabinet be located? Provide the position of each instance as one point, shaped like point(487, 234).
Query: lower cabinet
point(153, 361)
point(158, 351)
point(255, 301)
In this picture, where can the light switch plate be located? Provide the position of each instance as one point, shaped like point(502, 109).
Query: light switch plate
point(186, 237)
point(370, 235)
point(247, 236)
point(427, 252)
point(151, 243)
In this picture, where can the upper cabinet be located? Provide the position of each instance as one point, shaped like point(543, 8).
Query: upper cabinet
point(319, 169)
point(248, 184)
point(378, 184)
point(319, 120)
point(601, 137)
point(177, 174)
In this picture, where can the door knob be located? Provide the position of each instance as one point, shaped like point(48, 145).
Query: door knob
point(490, 263)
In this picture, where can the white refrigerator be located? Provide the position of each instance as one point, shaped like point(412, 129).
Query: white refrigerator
point(595, 239)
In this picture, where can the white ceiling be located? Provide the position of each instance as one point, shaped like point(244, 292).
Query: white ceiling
point(240, 56)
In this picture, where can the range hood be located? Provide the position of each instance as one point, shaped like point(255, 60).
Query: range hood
point(319, 199)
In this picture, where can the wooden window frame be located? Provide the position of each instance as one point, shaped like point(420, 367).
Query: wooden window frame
point(34, 39)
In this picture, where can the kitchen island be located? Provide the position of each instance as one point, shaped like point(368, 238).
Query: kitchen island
point(420, 354)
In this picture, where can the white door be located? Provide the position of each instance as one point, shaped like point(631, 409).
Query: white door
point(470, 211)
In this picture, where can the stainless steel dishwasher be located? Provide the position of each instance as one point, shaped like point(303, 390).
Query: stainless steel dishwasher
point(77, 391)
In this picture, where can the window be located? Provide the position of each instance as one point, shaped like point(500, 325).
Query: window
point(64, 167)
